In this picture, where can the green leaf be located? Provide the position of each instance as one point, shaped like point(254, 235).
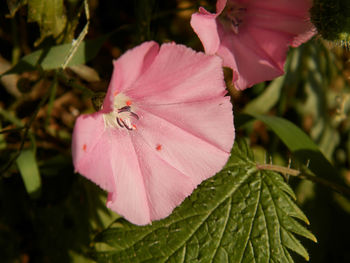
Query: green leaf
point(302, 147)
point(242, 214)
point(267, 99)
point(29, 170)
point(54, 57)
point(50, 15)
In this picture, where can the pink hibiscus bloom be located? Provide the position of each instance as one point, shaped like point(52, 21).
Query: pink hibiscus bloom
point(252, 36)
point(165, 126)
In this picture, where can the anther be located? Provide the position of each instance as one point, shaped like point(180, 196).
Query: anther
point(119, 122)
point(126, 125)
point(124, 109)
point(132, 114)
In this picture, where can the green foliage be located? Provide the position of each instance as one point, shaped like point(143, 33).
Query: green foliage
point(50, 16)
point(29, 170)
point(267, 99)
point(300, 145)
point(54, 57)
point(243, 214)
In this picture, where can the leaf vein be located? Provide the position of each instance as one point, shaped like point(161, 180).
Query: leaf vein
point(206, 217)
point(252, 223)
point(224, 228)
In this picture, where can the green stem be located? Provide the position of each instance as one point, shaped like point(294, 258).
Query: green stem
point(304, 174)
point(26, 133)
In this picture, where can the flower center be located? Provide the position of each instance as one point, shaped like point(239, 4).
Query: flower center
point(232, 16)
point(123, 115)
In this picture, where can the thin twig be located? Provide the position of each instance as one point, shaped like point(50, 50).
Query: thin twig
point(11, 130)
point(25, 134)
point(76, 43)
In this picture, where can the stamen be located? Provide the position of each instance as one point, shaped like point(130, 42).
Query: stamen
point(124, 109)
point(132, 114)
point(119, 123)
point(126, 125)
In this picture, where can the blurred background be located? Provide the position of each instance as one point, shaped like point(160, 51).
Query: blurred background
point(50, 214)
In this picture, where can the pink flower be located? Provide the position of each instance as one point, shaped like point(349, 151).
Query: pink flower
point(252, 36)
point(165, 126)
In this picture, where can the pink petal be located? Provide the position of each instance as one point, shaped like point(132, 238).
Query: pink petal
point(293, 18)
point(192, 155)
point(250, 63)
point(90, 150)
point(220, 6)
point(303, 37)
point(128, 68)
point(187, 117)
point(129, 196)
point(204, 24)
point(185, 76)
point(266, 41)
point(164, 176)
point(166, 186)
point(296, 29)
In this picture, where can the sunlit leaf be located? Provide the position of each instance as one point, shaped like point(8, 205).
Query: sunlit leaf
point(29, 170)
point(50, 15)
point(243, 214)
point(54, 57)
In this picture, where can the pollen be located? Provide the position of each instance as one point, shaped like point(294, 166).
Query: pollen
point(128, 102)
point(115, 93)
point(84, 147)
point(159, 147)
